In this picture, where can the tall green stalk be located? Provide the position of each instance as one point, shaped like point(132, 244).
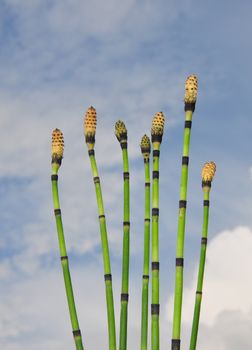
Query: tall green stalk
point(89, 131)
point(146, 148)
point(156, 138)
point(190, 100)
point(207, 177)
point(121, 134)
point(57, 155)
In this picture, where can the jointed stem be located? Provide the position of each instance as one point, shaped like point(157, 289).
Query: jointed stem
point(145, 283)
point(181, 234)
point(198, 298)
point(105, 251)
point(64, 263)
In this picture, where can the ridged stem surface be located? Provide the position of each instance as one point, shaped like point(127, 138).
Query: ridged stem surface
point(126, 250)
point(105, 252)
point(180, 235)
point(65, 265)
point(146, 263)
point(198, 298)
point(155, 250)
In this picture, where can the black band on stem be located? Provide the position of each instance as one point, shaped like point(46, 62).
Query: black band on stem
point(156, 138)
point(124, 145)
point(180, 262)
point(57, 212)
point(126, 223)
point(126, 175)
point(91, 152)
point(123, 136)
point(65, 257)
point(146, 160)
point(90, 139)
point(155, 309)
point(190, 106)
point(156, 153)
point(108, 277)
point(204, 240)
point(175, 344)
point(155, 211)
point(145, 150)
point(77, 333)
point(102, 216)
point(182, 204)
point(54, 177)
point(206, 183)
point(188, 124)
point(155, 265)
point(185, 160)
point(146, 220)
point(56, 159)
point(155, 174)
point(147, 184)
point(199, 292)
point(206, 203)
point(124, 297)
point(96, 180)
point(146, 277)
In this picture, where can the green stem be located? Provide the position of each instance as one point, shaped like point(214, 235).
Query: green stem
point(155, 250)
point(64, 262)
point(105, 252)
point(181, 235)
point(145, 282)
point(126, 249)
point(198, 298)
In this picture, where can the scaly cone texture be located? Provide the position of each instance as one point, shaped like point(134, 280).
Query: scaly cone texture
point(157, 130)
point(89, 132)
point(57, 155)
point(208, 173)
point(90, 127)
point(146, 149)
point(121, 134)
point(191, 88)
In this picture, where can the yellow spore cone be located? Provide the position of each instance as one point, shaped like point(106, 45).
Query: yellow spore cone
point(208, 171)
point(120, 131)
point(57, 146)
point(145, 146)
point(191, 89)
point(90, 127)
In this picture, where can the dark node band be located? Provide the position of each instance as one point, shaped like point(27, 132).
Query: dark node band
point(156, 138)
point(54, 177)
point(126, 175)
point(124, 144)
point(155, 265)
point(146, 160)
point(188, 124)
point(124, 297)
point(146, 220)
point(175, 344)
point(155, 211)
point(108, 277)
point(206, 183)
point(77, 333)
point(101, 216)
point(123, 137)
point(180, 262)
point(182, 204)
point(90, 139)
point(96, 180)
point(146, 277)
point(155, 174)
point(147, 184)
point(156, 153)
point(56, 159)
point(145, 150)
point(185, 160)
point(190, 106)
point(57, 212)
point(91, 152)
point(204, 240)
point(126, 223)
point(198, 292)
point(206, 203)
point(155, 309)
point(64, 258)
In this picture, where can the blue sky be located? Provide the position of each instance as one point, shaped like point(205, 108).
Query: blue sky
point(129, 60)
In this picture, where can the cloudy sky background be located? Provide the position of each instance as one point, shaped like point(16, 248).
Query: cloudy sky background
point(129, 60)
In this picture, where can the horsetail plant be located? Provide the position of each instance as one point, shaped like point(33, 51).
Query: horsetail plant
point(121, 134)
point(146, 149)
point(191, 89)
point(157, 130)
point(208, 173)
point(89, 132)
point(57, 155)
